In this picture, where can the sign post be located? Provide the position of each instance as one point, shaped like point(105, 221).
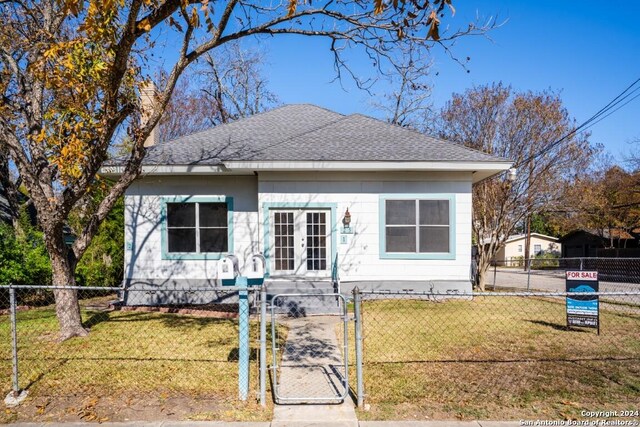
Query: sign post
point(583, 310)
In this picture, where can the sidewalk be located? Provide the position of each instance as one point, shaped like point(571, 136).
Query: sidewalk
point(327, 423)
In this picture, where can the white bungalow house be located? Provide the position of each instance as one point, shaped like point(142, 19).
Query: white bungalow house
point(513, 251)
point(281, 183)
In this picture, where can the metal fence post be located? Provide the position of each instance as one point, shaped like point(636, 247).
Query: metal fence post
point(14, 339)
point(243, 344)
point(263, 345)
point(529, 276)
point(358, 325)
point(15, 396)
point(495, 273)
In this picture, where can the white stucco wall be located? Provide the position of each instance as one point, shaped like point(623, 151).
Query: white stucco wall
point(360, 192)
point(143, 248)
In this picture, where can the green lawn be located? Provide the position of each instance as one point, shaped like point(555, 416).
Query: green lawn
point(495, 358)
point(129, 357)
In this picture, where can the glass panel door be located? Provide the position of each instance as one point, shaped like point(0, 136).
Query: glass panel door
point(316, 241)
point(301, 242)
point(284, 246)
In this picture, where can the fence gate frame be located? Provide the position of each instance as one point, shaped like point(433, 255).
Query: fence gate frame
point(275, 363)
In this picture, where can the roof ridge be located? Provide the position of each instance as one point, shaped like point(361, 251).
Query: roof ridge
point(523, 235)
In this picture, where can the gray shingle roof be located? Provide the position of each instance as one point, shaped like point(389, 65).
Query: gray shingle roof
point(307, 132)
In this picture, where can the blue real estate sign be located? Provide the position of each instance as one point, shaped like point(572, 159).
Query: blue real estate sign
point(582, 310)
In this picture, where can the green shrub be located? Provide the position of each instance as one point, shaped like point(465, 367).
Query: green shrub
point(103, 262)
point(23, 257)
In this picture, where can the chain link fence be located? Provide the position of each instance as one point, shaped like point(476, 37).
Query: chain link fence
point(146, 348)
point(310, 364)
point(495, 355)
point(498, 355)
point(548, 274)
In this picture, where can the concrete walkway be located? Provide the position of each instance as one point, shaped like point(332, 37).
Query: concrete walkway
point(312, 370)
point(327, 423)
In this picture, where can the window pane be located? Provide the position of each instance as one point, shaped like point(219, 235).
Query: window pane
point(213, 214)
point(434, 212)
point(213, 240)
point(401, 239)
point(181, 214)
point(182, 239)
point(400, 212)
point(434, 239)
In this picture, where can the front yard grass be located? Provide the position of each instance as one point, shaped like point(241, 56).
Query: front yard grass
point(133, 365)
point(495, 358)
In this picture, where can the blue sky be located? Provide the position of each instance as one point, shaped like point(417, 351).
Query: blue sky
point(588, 51)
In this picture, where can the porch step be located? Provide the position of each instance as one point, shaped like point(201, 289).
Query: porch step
point(301, 305)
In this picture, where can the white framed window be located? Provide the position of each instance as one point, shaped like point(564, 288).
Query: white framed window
point(520, 248)
point(417, 227)
point(537, 249)
point(197, 227)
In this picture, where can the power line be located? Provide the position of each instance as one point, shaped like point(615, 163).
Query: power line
point(603, 113)
point(604, 117)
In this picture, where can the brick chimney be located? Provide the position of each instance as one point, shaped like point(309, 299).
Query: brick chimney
point(147, 100)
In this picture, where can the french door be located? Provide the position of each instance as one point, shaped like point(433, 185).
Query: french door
point(301, 242)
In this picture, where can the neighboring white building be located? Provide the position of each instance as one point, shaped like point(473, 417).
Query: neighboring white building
point(513, 251)
point(280, 183)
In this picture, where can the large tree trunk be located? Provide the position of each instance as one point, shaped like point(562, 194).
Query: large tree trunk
point(484, 262)
point(67, 306)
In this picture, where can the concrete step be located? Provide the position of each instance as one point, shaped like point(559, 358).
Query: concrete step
point(310, 297)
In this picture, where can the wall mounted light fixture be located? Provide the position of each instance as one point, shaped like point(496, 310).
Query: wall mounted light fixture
point(346, 220)
point(346, 223)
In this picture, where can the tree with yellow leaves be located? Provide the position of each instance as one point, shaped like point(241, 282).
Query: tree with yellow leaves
point(72, 72)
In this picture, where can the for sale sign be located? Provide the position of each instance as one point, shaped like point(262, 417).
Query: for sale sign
point(582, 310)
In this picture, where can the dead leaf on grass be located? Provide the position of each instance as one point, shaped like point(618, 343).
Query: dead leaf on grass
point(42, 407)
point(87, 412)
point(88, 416)
point(91, 402)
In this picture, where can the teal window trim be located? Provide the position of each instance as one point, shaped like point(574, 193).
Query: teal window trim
point(195, 255)
point(426, 255)
point(266, 226)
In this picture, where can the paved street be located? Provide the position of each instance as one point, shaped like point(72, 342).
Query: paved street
point(545, 280)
